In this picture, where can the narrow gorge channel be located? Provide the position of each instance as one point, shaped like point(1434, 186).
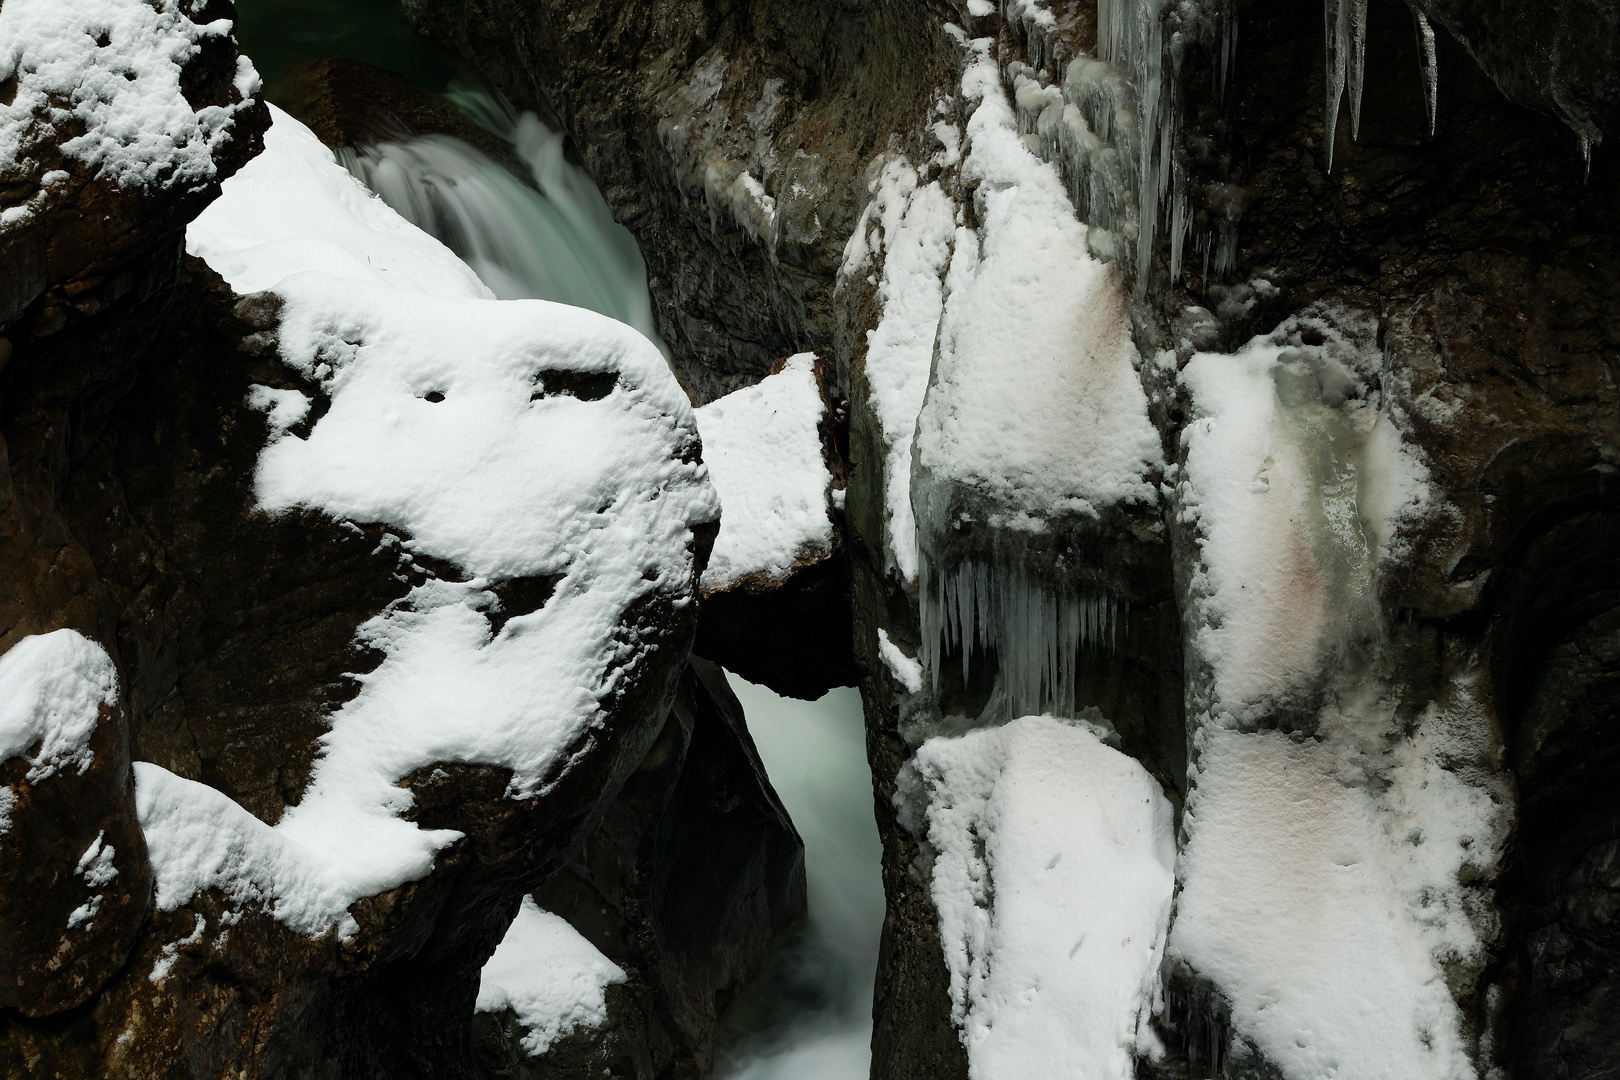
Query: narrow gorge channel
point(809, 540)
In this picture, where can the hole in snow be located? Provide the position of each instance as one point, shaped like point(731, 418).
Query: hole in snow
point(103, 39)
point(584, 385)
point(520, 596)
point(434, 396)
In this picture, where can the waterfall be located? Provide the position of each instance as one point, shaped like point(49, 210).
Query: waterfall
point(813, 1018)
point(552, 238)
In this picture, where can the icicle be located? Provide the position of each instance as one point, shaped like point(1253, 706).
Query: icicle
point(1334, 16)
point(1037, 634)
point(1357, 61)
point(1586, 154)
point(1431, 72)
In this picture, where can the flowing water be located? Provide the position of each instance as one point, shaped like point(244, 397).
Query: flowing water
point(552, 239)
point(812, 1020)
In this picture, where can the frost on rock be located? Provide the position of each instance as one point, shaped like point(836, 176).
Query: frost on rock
point(510, 439)
point(763, 448)
point(1034, 416)
point(101, 79)
point(1052, 876)
point(1333, 821)
point(549, 976)
point(908, 226)
point(52, 690)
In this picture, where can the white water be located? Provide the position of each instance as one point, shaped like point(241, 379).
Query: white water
point(554, 240)
point(813, 1018)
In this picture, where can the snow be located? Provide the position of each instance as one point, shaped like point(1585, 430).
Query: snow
point(1297, 484)
point(906, 671)
point(1325, 905)
point(549, 975)
point(52, 690)
point(1034, 400)
point(1052, 877)
point(470, 426)
point(910, 225)
point(110, 69)
point(294, 209)
point(763, 448)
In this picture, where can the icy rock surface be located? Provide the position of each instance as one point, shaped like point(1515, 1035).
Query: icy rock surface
point(552, 979)
point(1034, 413)
point(763, 448)
point(1324, 870)
point(110, 70)
point(505, 438)
point(1052, 874)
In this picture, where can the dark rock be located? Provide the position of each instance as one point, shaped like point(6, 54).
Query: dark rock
point(694, 873)
point(351, 103)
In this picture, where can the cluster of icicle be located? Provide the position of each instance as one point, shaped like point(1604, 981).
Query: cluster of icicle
point(1345, 26)
point(1110, 126)
point(1036, 633)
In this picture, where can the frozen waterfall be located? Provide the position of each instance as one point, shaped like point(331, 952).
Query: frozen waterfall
point(552, 239)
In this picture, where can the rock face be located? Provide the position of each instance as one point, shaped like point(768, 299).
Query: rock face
point(1418, 310)
point(731, 142)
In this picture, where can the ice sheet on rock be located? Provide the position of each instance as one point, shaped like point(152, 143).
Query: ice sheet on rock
point(1034, 400)
point(1297, 482)
point(1321, 891)
point(549, 975)
point(763, 448)
point(1052, 876)
point(52, 689)
point(294, 209)
point(909, 225)
point(505, 438)
point(107, 74)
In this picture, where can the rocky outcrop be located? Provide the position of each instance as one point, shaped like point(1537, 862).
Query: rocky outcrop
point(216, 644)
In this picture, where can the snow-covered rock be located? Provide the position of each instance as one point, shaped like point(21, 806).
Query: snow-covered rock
point(763, 448)
point(552, 979)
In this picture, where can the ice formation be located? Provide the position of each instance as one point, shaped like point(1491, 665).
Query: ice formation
point(508, 438)
point(555, 240)
point(1052, 874)
point(1296, 479)
point(909, 226)
point(763, 448)
point(1034, 413)
point(552, 979)
point(111, 70)
point(1324, 869)
point(52, 690)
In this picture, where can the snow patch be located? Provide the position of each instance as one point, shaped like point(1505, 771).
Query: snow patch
point(1052, 876)
point(294, 209)
point(906, 671)
point(549, 975)
point(763, 448)
point(111, 71)
point(911, 226)
point(52, 689)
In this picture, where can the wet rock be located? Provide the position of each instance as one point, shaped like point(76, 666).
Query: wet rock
point(694, 873)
